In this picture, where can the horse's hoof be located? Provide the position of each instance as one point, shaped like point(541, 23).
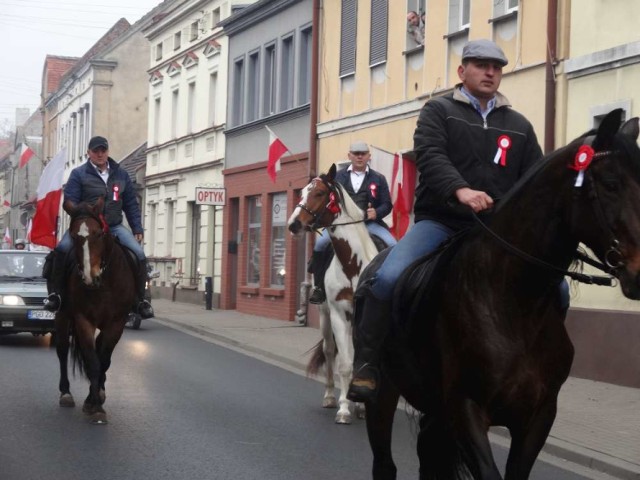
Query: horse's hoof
point(343, 418)
point(99, 418)
point(66, 400)
point(360, 411)
point(329, 402)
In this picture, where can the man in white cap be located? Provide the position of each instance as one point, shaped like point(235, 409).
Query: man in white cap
point(370, 191)
point(471, 148)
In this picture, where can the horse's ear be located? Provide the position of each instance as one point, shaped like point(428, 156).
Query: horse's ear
point(631, 128)
point(69, 207)
point(607, 130)
point(332, 172)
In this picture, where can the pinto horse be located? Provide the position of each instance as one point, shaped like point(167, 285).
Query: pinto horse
point(487, 345)
point(325, 203)
point(100, 293)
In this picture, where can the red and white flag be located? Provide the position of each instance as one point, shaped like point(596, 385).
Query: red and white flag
point(25, 155)
point(403, 187)
point(6, 203)
point(45, 221)
point(276, 150)
point(7, 236)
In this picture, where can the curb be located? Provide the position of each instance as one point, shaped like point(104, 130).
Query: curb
point(555, 447)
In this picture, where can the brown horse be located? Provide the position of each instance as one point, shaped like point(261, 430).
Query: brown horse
point(99, 295)
point(487, 345)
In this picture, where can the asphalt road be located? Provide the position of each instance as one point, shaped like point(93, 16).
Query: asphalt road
point(183, 408)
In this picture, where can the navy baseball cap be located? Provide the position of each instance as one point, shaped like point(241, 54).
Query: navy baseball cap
point(98, 142)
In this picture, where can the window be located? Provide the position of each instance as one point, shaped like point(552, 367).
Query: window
point(304, 77)
point(416, 19)
point(169, 208)
point(458, 15)
point(151, 229)
point(253, 247)
point(193, 31)
point(174, 113)
point(177, 37)
point(188, 149)
point(210, 144)
point(238, 92)
point(253, 86)
point(269, 82)
point(213, 87)
point(504, 7)
point(154, 159)
point(278, 236)
point(172, 154)
point(191, 106)
point(159, 51)
point(156, 120)
point(348, 37)
point(287, 74)
point(379, 25)
point(215, 17)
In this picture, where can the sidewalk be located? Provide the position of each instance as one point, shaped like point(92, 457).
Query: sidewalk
point(597, 426)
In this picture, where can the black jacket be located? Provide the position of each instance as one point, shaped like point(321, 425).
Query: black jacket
point(455, 148)
point(374, 190)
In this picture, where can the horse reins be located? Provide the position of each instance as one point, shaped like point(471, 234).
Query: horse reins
point(609, 267)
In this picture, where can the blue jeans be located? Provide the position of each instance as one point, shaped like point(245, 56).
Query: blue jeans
point(121, 232)
point(423, 238)
point(374, 228)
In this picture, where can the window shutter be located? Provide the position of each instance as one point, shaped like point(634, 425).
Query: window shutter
point(348, 37)
point(379, 26)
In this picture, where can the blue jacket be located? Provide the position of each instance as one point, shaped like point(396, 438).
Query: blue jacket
point(374, 190)
point(85, 185)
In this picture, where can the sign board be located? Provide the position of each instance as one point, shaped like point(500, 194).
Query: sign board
point(211, 196)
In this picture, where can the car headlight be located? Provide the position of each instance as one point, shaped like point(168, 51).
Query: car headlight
point(12, 300)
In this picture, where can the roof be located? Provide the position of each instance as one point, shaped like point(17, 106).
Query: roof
point(136, 159)
point(55, 67)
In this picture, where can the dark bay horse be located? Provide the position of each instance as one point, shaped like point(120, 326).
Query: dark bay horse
point(99, 296)
point(325, 203)
point(487, 345)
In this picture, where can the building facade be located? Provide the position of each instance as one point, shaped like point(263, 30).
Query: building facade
point(270, 53)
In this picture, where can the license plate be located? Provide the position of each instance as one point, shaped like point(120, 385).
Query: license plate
point(7, 323)
point(40, 315)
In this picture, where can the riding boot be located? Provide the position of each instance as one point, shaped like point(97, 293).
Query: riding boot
point(318, 267)
point(53, 270)
point(369, 336)
point(144, 308)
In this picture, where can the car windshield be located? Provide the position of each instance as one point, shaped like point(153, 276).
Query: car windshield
point(19, 265)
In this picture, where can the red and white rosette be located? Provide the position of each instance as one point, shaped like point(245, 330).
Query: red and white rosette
point(581, 162)
point(116, 193)
point(504, 144)
point(373, 188)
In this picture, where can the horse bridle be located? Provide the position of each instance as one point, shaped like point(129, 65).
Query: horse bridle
point(609, 267)
point(104, 262)
point(328, 206)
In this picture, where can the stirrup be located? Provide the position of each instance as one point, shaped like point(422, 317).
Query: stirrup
point(52, 303)
point(318, 296)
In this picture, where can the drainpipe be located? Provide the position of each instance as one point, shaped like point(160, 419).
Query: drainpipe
point(313, 114)
point(550, 81)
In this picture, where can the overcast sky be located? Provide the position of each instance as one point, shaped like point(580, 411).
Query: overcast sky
point(32, 29)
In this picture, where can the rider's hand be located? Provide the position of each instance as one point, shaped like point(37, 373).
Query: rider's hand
point(139, 237)
point(475, 199)
point(371, 213)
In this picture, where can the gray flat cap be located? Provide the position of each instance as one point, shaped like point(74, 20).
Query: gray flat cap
point(484, 50)
point(359, 147)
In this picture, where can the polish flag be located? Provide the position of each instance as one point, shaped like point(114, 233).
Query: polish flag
point(403, 187)
point(45, 221)
point(7, 236)
point(276, 150)
point(25, 155)
point(6, 203)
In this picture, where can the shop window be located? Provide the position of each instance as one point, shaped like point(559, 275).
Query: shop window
point(253, 246)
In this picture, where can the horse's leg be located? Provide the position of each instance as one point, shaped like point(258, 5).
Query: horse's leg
point(379, 420)
point(343, 338)
point(62, 350)
point(85, 337)
point(471, 431)
point(105, 344)
point(329, 349)
point(526, 443)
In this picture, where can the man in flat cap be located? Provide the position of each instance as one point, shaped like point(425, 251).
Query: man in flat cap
point(370, 191)
point(471, 148)
point(99, 177)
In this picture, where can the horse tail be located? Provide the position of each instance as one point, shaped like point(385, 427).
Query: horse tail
point(317, 360)
point(77, 360)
